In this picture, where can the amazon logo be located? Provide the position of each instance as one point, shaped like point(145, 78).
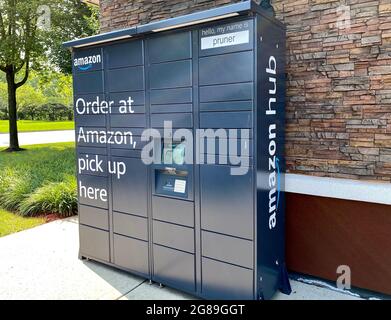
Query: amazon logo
point(86, 63)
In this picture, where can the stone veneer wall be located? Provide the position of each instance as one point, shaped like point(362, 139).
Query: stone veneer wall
point(339, 79)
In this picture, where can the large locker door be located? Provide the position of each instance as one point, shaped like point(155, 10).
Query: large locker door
point(229, 209)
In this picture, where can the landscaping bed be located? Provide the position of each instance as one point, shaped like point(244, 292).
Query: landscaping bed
point(40, 180)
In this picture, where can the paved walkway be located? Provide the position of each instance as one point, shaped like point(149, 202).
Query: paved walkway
point(42, 263)
point(39, 137)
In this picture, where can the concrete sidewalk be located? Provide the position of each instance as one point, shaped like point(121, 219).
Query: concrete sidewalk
point(42, 263)
point(39, 137)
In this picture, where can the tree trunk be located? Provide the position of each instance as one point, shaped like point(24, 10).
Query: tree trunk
point(12, 113)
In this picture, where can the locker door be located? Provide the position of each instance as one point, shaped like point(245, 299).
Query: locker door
point(226, 201)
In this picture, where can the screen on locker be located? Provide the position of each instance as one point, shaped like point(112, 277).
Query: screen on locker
point(171, 178)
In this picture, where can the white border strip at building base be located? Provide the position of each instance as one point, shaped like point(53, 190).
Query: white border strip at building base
point(347, 189)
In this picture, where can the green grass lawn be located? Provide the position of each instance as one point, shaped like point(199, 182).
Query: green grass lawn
point(11, 223)
point(29, 125)
point(39, 180)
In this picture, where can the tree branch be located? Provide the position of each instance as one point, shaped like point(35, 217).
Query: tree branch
point(29, 37)
point(26, 75)
point(17, 69)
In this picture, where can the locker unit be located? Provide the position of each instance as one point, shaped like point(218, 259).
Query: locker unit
point(203, 216)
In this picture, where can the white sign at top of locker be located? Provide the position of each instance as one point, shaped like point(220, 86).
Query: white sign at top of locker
point(225, 35)
point(229, 39)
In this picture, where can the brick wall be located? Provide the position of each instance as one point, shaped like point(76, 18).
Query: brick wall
point(339, 89)
point(339, 71)
point(122, 13)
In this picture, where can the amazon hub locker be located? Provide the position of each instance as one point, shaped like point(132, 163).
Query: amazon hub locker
point(180, 139)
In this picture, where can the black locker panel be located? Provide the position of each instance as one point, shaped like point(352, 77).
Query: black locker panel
point(128, 120)
point(129, 192)
point(130, 226)
point(90, 82)
point(178, 120)
point(176, 46)
point(225, 146)
point(173, 236)
point(228, 120)
point(117, 59)
point(171, 108)
point(90, 120)
point(222, 159)
point(125, 79)
point(227, 106)
point(129, 153)
point(227, 92)
point(94, 243)
point(94, 217)
point(168, 96)
point(174, 267)
point(131, 254)
point(228, 249)
point(91, 150)
point(227, 210)
point(173, 210)
point(225, 281)
point(227, 68)
point(176, 74)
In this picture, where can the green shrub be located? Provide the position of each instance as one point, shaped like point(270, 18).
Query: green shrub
point(45, 112)
point(13, 189)
point(55, 197)
point(39, 180)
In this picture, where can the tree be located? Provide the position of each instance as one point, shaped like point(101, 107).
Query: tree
point(85, 23)
point(57, 88)
point(30, 31)
point(50, 88)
